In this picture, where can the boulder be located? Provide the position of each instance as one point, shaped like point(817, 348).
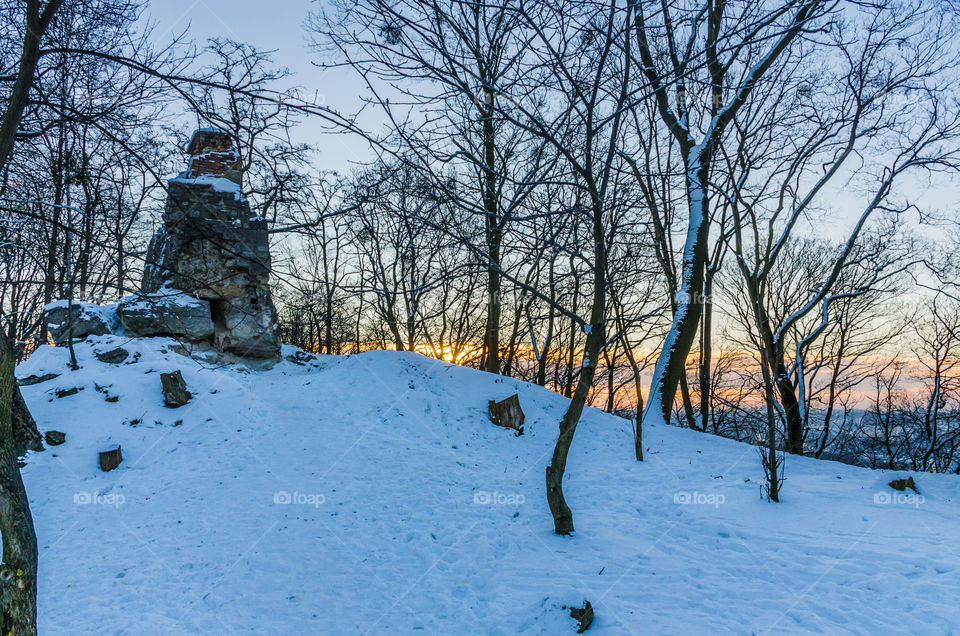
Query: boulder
point(112, 356)
point(166, 312)
point(247, 330)
point(88, 319)
point(37, 379)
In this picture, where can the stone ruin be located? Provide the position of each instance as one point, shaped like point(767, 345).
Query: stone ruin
point(207, 270)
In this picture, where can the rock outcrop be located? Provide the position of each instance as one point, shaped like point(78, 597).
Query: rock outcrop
point(213, 248)
point(88, 319)
point(166, 312)
point(207, 270)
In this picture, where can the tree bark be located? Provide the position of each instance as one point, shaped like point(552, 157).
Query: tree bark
point(25, 434)
point(671, 365)
point(791, 406)
point(562, 515)
point(494, 236)
point(18, 574)
point(706, 349)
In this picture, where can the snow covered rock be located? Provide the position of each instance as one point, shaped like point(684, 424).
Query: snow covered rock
point(166, 312)
point(89, 319)
point(214, 247)
point(112, 356)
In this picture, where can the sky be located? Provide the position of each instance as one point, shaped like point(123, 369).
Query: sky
point(278, 26)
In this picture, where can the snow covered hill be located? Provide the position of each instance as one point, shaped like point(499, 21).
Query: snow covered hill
point(371, 494)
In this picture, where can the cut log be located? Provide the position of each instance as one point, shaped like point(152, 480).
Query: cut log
point(110, 458)
point(507, 413)
point(175, 392)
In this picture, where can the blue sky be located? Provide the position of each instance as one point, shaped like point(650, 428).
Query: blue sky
point(277, 26)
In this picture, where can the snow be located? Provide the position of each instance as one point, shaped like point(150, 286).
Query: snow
point(371, 494)
point(170, 297)
point(107, 313)
point(219, 184)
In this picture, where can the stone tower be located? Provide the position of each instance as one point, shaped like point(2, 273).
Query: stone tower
point(214, 248)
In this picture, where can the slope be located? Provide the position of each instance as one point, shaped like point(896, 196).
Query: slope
point(371, 494)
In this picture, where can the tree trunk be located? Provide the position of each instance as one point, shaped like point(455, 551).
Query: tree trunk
point(328, 324)
point(562, 515)
point(18, 575)
point(36, 25)
point(671, 365)
point(685, 401)
point(611, 391)
point(773, 481)
point(706, 347)
point(548, 339)
point(494, 235)
point(571, 345)
point(791, 407)
point(638, 389)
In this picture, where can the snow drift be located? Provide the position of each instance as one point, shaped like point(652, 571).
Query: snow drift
point(371, 494)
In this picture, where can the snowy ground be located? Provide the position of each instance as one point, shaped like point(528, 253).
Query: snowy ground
point(346, 495)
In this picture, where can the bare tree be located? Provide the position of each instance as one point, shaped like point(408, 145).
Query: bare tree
point(458, 66)
point(722, 50)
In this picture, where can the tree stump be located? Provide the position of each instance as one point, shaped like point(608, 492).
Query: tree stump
point(583, 615)
point(507, 413)
point(110, 458)
point(903, 484)
point(175, 392)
